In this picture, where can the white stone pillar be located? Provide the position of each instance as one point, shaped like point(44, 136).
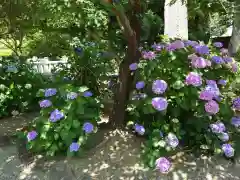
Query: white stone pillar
point(176, 19)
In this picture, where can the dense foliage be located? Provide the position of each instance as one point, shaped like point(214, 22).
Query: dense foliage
point(67, 117)
point(181, 98)
point(18, 86)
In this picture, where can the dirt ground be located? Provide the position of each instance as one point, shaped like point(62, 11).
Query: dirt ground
point(117, 157)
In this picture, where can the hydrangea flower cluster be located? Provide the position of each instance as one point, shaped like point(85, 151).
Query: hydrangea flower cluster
point(50, 92)
point(57, 115)
point(45, 103)
point(139, 129)
point(219, 129)
point(202, 60)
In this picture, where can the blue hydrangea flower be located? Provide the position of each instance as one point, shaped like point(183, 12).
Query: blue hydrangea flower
point(159, 103)
point(217, 60)
point(159, 86)
point(56, 115)
point(72, 95)
point(217, 127)
point(139, 129)
point(236, 103)
point(50, 92)
point(78, 51)
point(218, 44)
point(74, 147)
point(45, 103)
point(228, 59)
point(222, 82)
point(133, 66)
point(161, 134)
point(87, 94)
point(203, 50)
point(88, 127)
point(235, 121)
point(228, 150)
point(32, 135)
point(140, 85)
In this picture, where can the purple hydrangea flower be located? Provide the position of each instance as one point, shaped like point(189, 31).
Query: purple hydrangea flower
point(50, 92)
point(45, 103)
point(32, 135)
point(235, 121)
point(87, 94)
point(217, 127)
point(159, 86)
point(234, 67)
point(159, 103)
point(74, 147)
point(133, 66)
point(222, 82)
point(206, 95)
point(163, 164)
point(236, 103)
point(140, 85)
point(191, 43)
point(211, 107)
point(176, 45)
point(218, 44)
point(199, 62)
point(217, 60)
point(203, 50)
point(150, 55)
point(224, 137)
point(56, 115)
point(139, 129)
point(213, 89)
point(88, 127)
point(172, 140)
point(228, 150)
point(228, 59)
point(193, 79)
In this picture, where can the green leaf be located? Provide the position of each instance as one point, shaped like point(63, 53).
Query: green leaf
point(76, 124)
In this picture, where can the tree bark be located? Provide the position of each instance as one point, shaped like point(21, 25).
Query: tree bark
point(132, 30)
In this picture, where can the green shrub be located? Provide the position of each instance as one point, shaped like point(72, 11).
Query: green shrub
point(67, 117)
point(181, 95)
point(18, 86)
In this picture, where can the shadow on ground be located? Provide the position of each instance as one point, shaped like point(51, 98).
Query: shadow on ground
point(117, 157)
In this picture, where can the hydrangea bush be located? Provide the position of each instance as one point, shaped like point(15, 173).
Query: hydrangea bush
point(18, 86)
point(181, 100)
point(68, 116)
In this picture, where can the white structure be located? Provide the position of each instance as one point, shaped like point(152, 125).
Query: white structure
point(44, 65)
point(176, 19)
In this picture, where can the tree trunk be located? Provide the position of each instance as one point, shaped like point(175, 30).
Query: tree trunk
point(121, 96)
point(234, 45)
point(175, 19)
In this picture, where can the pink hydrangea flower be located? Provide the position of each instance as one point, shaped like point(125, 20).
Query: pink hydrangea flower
point(163, 164)
point(212, 107)
point(194, 79)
